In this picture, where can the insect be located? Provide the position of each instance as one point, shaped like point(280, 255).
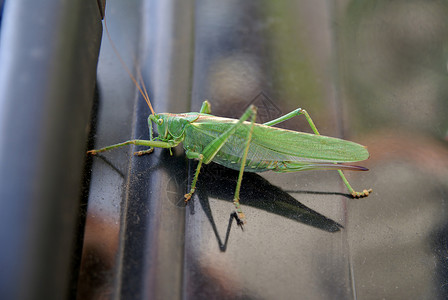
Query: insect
point(246, 146)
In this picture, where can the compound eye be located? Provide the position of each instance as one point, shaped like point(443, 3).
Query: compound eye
point(160, 121)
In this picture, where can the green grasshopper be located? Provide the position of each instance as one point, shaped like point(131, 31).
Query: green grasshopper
point(247, 146)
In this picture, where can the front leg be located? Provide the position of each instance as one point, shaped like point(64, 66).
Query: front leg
point(151, 144)
point(151, 138)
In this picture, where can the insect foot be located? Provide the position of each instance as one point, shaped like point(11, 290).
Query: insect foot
point(239, 215)
point(187, 197)
point(140, 153)
point(239, 222)
point(92, 152)
point(362, 194)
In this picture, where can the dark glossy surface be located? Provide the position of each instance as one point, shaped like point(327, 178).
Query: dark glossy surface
point(48, 57)
point(367, 73)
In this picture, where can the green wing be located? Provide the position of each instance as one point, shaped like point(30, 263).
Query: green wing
point(308, 146)
point(282, 144)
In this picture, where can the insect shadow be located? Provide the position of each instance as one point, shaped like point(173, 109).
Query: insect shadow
point(219, 183)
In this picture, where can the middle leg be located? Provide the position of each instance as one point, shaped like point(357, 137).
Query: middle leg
point(210, 151)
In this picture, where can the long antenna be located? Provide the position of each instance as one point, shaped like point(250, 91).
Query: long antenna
point(141, 81)
point(144, 94)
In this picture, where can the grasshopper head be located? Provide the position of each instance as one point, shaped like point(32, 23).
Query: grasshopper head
point(162, 125)
point(171, 126)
